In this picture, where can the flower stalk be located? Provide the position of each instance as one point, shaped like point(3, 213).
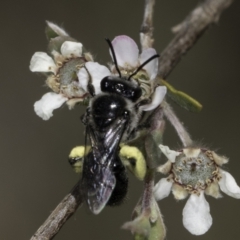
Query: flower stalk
point(178, 126)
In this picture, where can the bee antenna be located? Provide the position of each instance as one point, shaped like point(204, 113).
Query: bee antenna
point(143, 64)
point(114, 56)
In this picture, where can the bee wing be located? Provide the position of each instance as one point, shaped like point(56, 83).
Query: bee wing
point(100, 188)
point(98, 178)
point(114, 134)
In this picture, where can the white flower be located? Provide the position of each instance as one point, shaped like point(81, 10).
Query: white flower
point(62, 75)
point(195, 171)
point(128, 60)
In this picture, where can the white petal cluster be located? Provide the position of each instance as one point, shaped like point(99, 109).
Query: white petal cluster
point(196, 213)
point(42, 62)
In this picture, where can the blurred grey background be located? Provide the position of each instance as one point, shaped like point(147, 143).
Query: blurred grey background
point(34, 172)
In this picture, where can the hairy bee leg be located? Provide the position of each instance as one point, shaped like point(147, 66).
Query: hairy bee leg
point(76, 157)
point(134, 160)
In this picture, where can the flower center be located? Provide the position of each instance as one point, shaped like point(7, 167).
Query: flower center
point(68, 71)
point(194, 173)
point(68, 80)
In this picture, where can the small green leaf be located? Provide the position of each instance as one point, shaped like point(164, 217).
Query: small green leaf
point(146, 224)
point(181, 98)
point(50, 33)
point(158, 230)
point(140, 227)
point(139, 237)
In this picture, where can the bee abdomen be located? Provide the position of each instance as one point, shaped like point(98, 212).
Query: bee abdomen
point(120, 191)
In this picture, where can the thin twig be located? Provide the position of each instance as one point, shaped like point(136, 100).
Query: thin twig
point(157, 125)
point(187, 34)
point(146, 31)
point(189, 31)
point(181, 131)
point(148, 190)
point(60, 215)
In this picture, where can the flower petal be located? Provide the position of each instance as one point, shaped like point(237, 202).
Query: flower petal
point(126, 51)
point(191, 152)
point(170, 154)
point(228, 184)
point(196, 215)
point(219, 160)
point(96, 72)
point(158, 96)
point(70, 49)
point(152, 67)
point(165, 168)
point(49, 101)
point(213, 190)
point(41, 62)
point(179, 192)
point(162, 189)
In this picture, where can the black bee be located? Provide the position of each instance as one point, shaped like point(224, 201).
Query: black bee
point(111, 118)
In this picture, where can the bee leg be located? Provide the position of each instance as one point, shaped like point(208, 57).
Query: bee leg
point(76, 157)
point(134, 160)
